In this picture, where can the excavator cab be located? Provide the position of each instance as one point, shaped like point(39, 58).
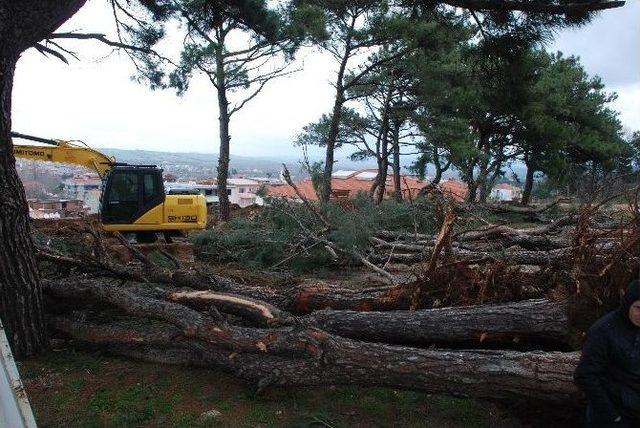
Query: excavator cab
point(130, 192)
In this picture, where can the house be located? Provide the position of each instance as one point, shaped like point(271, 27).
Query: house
point(77, 186)
point(505, 192)
point(241, 191)
point(56, 208)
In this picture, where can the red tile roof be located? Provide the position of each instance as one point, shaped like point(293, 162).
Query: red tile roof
point(351, 186)
point(506, 186)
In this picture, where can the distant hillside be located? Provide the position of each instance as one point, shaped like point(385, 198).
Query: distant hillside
point(200, 165)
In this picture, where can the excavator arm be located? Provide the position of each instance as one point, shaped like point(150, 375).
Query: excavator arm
point(68, 152)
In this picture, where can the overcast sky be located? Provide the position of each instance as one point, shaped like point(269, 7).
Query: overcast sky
point(95, 100)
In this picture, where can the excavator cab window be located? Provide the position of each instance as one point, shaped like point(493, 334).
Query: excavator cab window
point(129, 193)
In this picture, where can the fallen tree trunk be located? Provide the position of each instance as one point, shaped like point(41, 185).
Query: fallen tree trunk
point(530, 320)
point(509, 375)
point(533, 321)
point(521, 257)
point(507, 208)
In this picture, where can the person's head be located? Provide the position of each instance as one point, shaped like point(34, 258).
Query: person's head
point(634, 313)
point(631, 303)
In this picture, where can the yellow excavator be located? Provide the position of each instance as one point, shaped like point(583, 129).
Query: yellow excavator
point(133, 198)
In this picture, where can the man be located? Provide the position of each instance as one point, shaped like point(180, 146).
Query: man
point(609, 370)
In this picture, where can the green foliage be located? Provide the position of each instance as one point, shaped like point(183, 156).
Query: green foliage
point(276, 232)
point(352, 130)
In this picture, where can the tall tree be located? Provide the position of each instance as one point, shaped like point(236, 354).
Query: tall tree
point(23, 24)
point(351, 28)
point(238, 53)
point(565, 119)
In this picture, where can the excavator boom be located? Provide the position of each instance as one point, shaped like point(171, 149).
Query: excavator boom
point(68, 152)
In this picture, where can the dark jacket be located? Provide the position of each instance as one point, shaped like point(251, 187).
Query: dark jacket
point(609, 369)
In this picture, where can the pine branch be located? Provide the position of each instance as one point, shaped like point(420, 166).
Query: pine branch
point(554, 8)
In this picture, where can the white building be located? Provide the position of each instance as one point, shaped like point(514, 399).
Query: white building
point(86, 188)
point(505, 192)
point(241, 191)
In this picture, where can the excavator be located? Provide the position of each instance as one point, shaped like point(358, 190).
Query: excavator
point(133, 198)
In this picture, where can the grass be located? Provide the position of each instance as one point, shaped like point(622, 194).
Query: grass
point(86, 389)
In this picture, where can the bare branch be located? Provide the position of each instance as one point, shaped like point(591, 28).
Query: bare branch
point(103, 39)
point(45, 50)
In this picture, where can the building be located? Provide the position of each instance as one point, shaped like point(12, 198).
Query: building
point(348, 183)
point(56, 208)
point(241, 191)
point(505, 192)
point(77, 186)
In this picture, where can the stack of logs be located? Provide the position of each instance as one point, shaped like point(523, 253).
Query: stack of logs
point(320, 334)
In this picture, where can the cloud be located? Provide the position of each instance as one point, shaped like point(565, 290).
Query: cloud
point(609, 46)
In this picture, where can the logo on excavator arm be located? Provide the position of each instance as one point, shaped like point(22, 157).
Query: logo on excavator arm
point(29, 152)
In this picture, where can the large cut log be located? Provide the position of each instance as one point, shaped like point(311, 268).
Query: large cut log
point(506, 375)
point(536, 321)
point(531, 320)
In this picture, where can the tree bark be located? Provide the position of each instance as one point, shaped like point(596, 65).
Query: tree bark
point(532, 321)
point(440, 169)
point(397, 185)
point(528, 185)
point(332, 360)
point(472, 184)
point(325, 188)
point(384, 166)
point(304, 355)
point(225, 138)
point(22, 24)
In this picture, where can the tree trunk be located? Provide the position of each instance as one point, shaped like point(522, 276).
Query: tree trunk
point(530, 320)
point(384, 167)
point(299, 355)
point(528, 184)
point(397, 185)
point(332, 360)
point(225, 138)
point(20, 293)
point(482, 182)
point(436, 163)
point(22, 24)
point(472, 191)
point(520, 257)
point(336, 117)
